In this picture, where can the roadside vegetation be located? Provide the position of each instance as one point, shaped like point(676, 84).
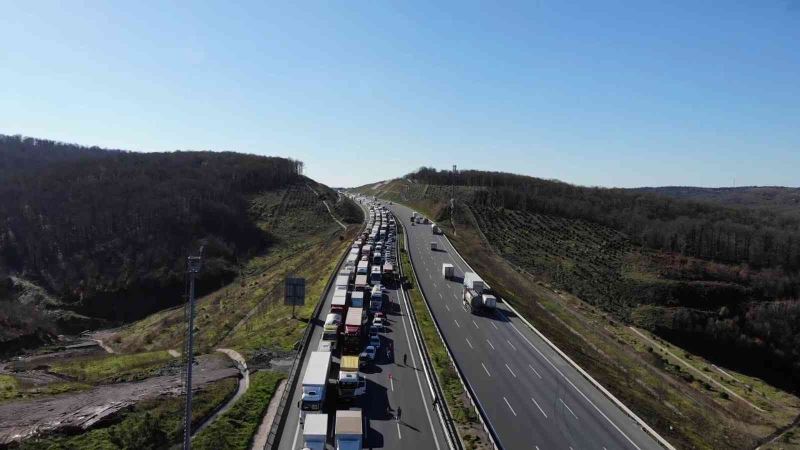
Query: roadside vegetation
point(234, 430)
point(456, 398)
point(112, 368)
point(151, 424)
point(545, 264)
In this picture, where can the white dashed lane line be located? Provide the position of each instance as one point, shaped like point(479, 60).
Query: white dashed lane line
point(486, 370)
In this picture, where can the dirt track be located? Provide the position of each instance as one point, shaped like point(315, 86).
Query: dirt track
point(22, 419)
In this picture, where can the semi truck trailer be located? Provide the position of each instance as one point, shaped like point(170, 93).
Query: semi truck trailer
point(353, 330)
point(349, 431)
point(479, 303)
point(315, 382)
point(315, 431)
point(351, 382)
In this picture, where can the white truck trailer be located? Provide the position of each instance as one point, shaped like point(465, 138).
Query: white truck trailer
point(315, 382)
point(315, 431)
point(478, 303)
point(447, 271)
point(349, 431)
point(474, 282)
point(435, 229)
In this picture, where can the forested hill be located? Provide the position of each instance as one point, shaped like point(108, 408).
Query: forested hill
point(20, 155)
point(784, 199)
point(722, 281)
point(104, 236)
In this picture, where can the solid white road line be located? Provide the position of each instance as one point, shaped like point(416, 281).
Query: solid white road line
point(474, 323)
point(509, 407)
point(512, 372)
point(534, 371)
point(568, 408)
point(540, 408)
point(391, 381)
point(490, 344)
point(512, 345)
point(454, 320)
point(486, 370)
point(403, 318)
point(468, 342)
point(296, 433)
point(576, 388)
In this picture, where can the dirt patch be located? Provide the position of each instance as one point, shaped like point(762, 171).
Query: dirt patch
point(80, 411)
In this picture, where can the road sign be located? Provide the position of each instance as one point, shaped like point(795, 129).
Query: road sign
point(295, 291)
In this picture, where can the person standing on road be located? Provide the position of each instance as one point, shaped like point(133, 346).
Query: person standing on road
point(399, 413)
point(405, 359)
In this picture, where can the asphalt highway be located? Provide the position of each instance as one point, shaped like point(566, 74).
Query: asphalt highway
point(532, 397)
point(391, 385)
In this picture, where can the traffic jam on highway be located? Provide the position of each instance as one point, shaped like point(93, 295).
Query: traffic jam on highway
point(351, 336)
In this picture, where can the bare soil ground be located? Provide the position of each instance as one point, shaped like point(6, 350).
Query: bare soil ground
point(80, 411)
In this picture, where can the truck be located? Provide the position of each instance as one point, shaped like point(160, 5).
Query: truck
point(353, 330)
point(434, 245)
point(376, 299)
point(477, 303)
point(342, 281)
point(474, 282)
point(315, 431)
point(388, 270)
point(363, 268)
point(351, 260)
point(375, 275)
point(351, 382)
point(361, 282)
point(330, 331)
point(348, 432)
point(315, 382)
point(447, 271)
point(435, 229)
point(339, 302)
point(357, 299)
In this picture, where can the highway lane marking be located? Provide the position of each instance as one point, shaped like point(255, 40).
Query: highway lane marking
point(495, 326)
point(509, 407)
point(454, 320)
point(575, 387)
point(568, 408)
point(296, 433)
point(434, 285)
point(534, 371)
point(512, 372)
point(391, 381)
point(476, 325)
point(486, 370)
point(416, 372)
point(399, 435)
point(448, 308)
point(540, 408)
point(490, 344)
point(440, 296)
point(468, 343)
point(512, 345)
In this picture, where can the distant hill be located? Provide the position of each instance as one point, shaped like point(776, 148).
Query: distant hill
point(103, 235)
point(783, 199)
point(21, 154)
point(723, 281)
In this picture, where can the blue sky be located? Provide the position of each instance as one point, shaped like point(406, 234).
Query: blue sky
point(594, 93)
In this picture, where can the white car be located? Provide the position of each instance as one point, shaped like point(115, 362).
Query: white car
point(375, 341)
point(368, 353)
point(378, 323)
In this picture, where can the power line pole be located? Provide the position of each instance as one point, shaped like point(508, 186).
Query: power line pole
point(193, 265)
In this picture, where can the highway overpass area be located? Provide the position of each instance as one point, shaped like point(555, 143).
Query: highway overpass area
point(531, 397)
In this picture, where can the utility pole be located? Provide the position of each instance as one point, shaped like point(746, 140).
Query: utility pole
point(193, 265)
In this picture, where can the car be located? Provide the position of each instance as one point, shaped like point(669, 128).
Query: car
point(374, 330)
point(368, 354)
point(375, 341)
point(364, 258)
point(378, 323)
point(380, 315)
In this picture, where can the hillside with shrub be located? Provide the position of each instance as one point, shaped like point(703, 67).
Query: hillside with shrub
point(103, 235)
point(720, 281)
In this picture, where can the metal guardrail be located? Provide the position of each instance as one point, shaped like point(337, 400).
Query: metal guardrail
point(450, 427)
point(467, 387)
point(273, 439)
